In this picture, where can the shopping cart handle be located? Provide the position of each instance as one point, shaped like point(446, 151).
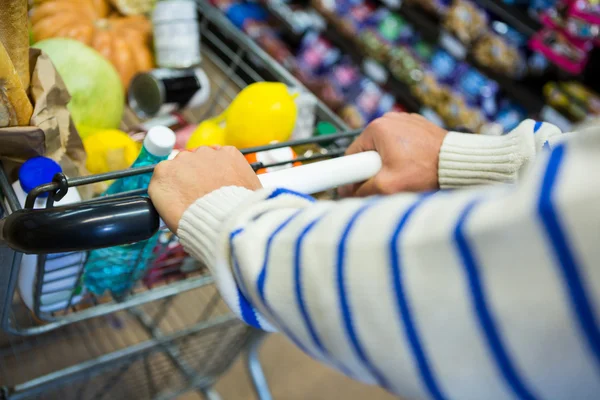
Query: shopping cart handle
point(86, 226)
point(112, 222)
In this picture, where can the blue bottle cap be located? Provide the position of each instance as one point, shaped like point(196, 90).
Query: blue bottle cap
point(37, 171)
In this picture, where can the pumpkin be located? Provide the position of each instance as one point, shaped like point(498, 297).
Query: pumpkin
point(123, 40)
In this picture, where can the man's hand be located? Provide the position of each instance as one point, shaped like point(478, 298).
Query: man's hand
point(178, 183)
point(409, 146)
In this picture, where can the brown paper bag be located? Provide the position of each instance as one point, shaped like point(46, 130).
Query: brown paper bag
point(52, 132)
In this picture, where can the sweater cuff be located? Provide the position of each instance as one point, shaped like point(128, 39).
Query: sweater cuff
point(201, 223)
point(468, 159)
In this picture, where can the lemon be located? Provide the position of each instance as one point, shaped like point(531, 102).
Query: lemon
point(109, 150)
point(261, 113)
point(208, 133)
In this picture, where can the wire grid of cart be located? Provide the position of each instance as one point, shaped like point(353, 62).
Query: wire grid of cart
point(171, 333)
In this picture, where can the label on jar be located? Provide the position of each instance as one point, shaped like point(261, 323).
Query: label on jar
point(177, 44)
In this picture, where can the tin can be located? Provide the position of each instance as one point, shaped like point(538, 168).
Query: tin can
point(162, 91)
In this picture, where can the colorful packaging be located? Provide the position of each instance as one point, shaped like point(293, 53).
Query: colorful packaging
point(466, 20)
point(478, 91)
point(438, 7)
point(445, 67)
point(316, 54)
point(510, 115)
point(587, 98)
point(384, 31)
point(369, 102)
point(560, 50)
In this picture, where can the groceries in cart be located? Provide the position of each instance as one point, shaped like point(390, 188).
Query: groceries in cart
point(118, 268)
point(59, 282)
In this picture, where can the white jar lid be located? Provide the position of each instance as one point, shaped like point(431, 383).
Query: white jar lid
point(159, 141)
point(171, 10)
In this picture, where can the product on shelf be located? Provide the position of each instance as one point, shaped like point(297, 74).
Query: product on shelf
point(466, 20)
point(383, 31)
point(97, 96)
point(557, 47)
point(369, 102)
point(499, 54)
point(116, 269)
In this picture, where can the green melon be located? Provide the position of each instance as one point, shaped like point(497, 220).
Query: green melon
point(97, 95)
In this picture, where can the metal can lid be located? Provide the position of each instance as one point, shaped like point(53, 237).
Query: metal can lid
point(173, 10)
point(146, 95)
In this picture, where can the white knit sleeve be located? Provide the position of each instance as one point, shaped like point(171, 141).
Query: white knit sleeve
point(468, 160)
point(489, 293)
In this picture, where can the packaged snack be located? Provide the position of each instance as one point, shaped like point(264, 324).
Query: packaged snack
point(384, 31)
point(587, 98)
point(444, 66)
point(559, 50)
point(478, 91)
point(562, 102)
point(404, 66)
point(316, 54)
point(458, 115)
point(510, 115)
point(437, 7)
point(350, 22)
point(430, 92)
point(369, 102)
point(502, 49)
point(337, 84)
point(466, 20)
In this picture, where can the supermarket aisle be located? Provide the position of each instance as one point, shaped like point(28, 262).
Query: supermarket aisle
point(293, 376)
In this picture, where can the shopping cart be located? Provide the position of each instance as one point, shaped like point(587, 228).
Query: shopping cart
point(171, 333)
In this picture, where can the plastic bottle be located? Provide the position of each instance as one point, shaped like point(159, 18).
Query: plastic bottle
point(118, 268)
point(62, 272)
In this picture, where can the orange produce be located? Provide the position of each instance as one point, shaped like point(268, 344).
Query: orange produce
point(123, 40)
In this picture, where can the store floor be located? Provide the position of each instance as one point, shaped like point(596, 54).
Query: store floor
point(293, 376)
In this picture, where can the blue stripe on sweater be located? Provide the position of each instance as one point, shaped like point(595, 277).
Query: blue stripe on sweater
point(484, 315)
point(308, 322)
point(345, 305)
point(247, 311)
point(565, 256)
point(404, 311)
point(261, 283)
point(278, 192)
point(262, 276)
point(298, 288)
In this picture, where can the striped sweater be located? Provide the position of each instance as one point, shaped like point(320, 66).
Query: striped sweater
point(491, 292)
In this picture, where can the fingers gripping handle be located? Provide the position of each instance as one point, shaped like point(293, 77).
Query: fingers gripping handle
point(324, 175)
point(105, 223)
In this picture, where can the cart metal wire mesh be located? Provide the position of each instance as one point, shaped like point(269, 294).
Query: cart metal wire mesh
point(171, 332)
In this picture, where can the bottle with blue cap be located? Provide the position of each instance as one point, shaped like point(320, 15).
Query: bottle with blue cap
point(61, 273)
point(116, 269)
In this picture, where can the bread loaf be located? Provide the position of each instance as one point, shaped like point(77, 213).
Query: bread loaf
point(15, 107)
point(14, 34)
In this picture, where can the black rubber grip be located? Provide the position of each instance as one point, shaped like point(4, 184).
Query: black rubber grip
point(80, 227)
